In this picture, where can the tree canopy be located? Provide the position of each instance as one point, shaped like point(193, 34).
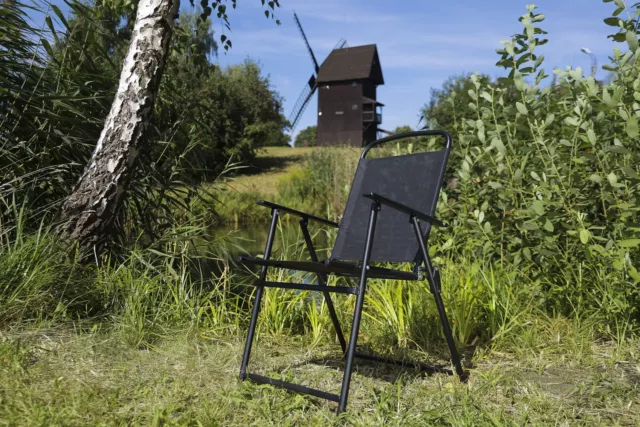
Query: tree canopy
point(306, 137)
point(442, 109)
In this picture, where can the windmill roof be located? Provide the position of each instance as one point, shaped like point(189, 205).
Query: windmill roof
point(351, 63)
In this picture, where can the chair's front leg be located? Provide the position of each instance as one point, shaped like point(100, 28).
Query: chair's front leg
point(434, 281)
point(258, 299)
point(322, 280)
point(346, 379)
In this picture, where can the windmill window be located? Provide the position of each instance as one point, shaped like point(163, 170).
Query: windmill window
point(339, 113)
point(354, 107)
point(353, 83)
point(326, 87)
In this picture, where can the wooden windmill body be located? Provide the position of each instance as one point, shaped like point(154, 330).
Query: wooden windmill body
point(347, 81)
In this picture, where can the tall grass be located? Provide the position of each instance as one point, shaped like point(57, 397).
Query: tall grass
point(322, 185)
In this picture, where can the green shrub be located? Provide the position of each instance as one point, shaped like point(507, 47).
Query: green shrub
point(550, 183)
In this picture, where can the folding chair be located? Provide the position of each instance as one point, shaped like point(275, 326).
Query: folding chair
point(388, 217)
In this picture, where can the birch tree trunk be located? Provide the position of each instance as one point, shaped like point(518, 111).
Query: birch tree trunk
point(90, 210)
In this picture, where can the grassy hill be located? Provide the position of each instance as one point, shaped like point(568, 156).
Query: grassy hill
point(271, 164)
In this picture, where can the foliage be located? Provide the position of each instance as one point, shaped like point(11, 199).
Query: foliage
point(402, 129)
point(442, 111)
point(224, 114)
point(54, 102)
point(322, 184)
point(219, 7)
point(306, 137)
point(550, 183)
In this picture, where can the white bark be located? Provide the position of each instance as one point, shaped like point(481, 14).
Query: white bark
point(89, 211)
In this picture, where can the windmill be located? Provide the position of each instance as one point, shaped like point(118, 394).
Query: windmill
point(347, 80)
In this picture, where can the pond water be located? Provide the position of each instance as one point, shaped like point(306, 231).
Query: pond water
point(228, 242)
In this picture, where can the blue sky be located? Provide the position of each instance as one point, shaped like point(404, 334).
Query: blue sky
point(420, 42)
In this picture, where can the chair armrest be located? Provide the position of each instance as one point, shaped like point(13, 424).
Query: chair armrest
point(406, 209)
point(297, 213)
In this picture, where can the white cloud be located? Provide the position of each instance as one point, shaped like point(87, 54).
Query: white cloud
point(436, 60)
point(339, 12)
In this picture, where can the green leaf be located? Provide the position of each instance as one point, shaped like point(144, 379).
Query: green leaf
point(486, 96)
point(617, 149)
point(498, 145)
point(522, 109)
point(632, 40)
point(518, 175)
point(538, 18)
point(47, 47)
point(630, 172)
point(572, 121)
point(613, 179)
point(535, 176)
point(633, 272)
point(60, 15)
point(518, 80)
point(612, 21)
point(592, 136)
point(538, 207)
point(629, 243)
point(632, 127)
point(549, 120)
point(606, 97)
point(548, 226)
point(598, 248)
point(584, 235)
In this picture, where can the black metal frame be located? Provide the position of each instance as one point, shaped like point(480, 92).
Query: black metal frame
point(365, 271)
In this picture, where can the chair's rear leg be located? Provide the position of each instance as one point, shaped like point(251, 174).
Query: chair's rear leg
point(258, 297)
point(346, 379)
point(334, 320)
point(433, 276)
point(322, 280)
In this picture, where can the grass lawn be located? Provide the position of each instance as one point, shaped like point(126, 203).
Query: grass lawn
point(69, 377)
point(269, 166)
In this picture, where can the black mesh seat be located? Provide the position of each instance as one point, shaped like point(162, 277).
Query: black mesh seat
point(388, 217)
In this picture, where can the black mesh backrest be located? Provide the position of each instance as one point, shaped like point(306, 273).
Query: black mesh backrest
point(413, 180)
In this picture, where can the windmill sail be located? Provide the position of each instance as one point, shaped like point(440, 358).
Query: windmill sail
point(310, 88)
point(302, 102)
point(342, 43)
point(313, 57)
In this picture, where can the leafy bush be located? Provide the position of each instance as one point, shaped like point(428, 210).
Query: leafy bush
point(550, 183)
